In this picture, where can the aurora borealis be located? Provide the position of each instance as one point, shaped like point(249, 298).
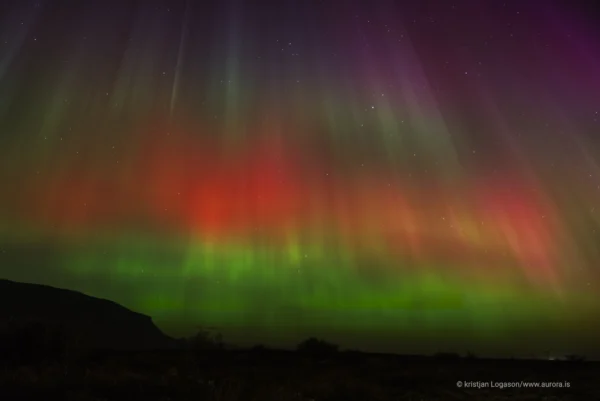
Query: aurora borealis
point(377, 173)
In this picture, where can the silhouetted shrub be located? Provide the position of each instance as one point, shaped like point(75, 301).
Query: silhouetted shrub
point(446, 355)
point(471, 355)
point(259, 348)
point(574, 358)
point(205, 340)
point(316, 347)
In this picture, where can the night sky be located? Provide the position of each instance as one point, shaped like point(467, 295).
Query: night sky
point(395, 176)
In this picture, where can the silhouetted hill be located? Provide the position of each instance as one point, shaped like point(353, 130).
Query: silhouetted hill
point(90, 322)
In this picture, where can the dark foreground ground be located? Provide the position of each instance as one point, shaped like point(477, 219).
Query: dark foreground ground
point(286, 376)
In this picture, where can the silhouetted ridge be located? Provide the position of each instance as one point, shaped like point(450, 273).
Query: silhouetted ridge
point(91, 322)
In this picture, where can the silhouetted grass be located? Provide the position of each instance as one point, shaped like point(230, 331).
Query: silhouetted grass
point(43, 366)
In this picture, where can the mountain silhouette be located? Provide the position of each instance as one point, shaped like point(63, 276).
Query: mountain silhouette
point(94, 322)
